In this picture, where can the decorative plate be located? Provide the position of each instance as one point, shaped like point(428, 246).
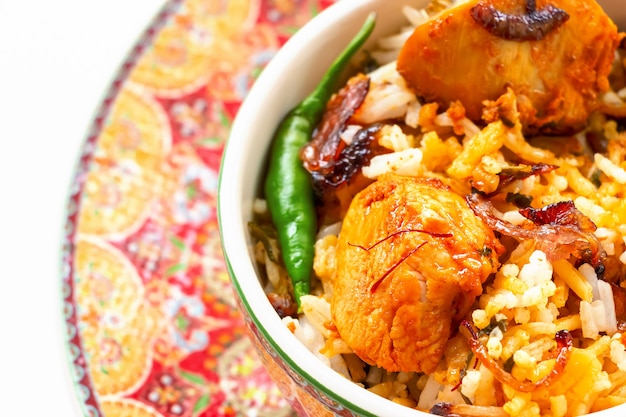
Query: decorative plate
point(152, 326)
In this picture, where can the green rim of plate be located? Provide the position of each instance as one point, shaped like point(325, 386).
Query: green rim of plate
point(79, 375)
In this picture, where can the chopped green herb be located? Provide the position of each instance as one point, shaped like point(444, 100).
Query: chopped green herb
point(468, 362)
point(595, 178)
point(462, 374)
point(508, 364)
point(501, 324)
point(506, 121)
point(467, 400)
point(485, 251)
point(267, 236)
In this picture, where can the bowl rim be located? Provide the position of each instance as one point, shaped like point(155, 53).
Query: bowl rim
point(232, 210)
point(230, 214)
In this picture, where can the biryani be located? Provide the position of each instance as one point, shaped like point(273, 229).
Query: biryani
point(470, 257)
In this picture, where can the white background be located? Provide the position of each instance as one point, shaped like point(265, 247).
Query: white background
point(57, 59)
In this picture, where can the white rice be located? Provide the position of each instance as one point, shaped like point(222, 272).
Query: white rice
point(608, 302)
point(347, 135)
point(388, 97)
point(605, 165)
point(406, 162)
point(429, 393)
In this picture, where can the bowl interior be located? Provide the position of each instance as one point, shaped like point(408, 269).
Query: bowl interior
point(289, 77)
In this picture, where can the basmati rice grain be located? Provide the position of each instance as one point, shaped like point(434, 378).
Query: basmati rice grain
point(523, 359)
point(622, 257)
point(606, 296)
point(374, 376)
point(338, 363)
point(516, 404)
point(384, 389)
point(612, 99)
point(335, 346)
point(415, 16)
point(558, 405)
point(469, 128)
point(545, 315)
point(602, 382)
point(384, 57)
point(581, 185)
point(558, 181)
point(510, 270)
point(494, 348)
point(347, 135)
point(570, 323)
point(605, 165)
point(310, 337)
point(486, 393)
point(589, 327)
point(521, 315)
point(392, 42)
point(486, 141)
point(449, 395)
point(618, 354)
point(537, 328)
point(469, 383)
point(609, 247)
point(407, 402)
point(404, 377)
point(599, 314)
point(516, 143)
point(537, 270)
point(324, 263)
point(412, 116)
point(393, 138)
point(259, 206)
point(407, 162)
point(480, 319)
point(561, 294)
point(610, 130)
point(329, 230)
point(574, 279)
point(590, 209)
point(317, 310)
point(538, 296)
point(444, 119)
point(514, 342)
point(276, 275)
point(436, 153)
point(589, 273)
point(429, 393)
point(522, 252)
point(600, 347)
point(542, 369)
point(388, 96)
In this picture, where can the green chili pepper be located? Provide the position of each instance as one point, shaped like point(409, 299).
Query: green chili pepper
point(288, 185)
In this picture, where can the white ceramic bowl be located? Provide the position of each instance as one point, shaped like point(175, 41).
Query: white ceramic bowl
point(311, 388)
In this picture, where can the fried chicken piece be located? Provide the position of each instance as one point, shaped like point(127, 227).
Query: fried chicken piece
point(411, 260)
point(466, 53)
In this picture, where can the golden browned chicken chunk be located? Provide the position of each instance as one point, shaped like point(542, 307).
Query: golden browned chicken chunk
point(555, 54)
point(411, 259)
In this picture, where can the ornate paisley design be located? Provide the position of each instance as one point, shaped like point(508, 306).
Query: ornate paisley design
point(153, 328)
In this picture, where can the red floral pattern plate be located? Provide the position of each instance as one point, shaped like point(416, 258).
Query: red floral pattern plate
point(152, 325)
